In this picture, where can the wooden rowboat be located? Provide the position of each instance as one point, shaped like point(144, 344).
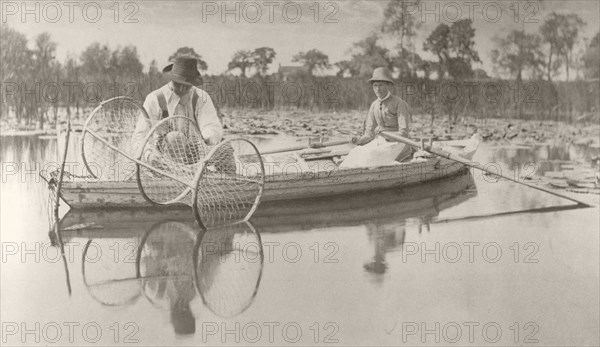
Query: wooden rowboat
point(288, 177)
point(417, 201)
point(172, 234)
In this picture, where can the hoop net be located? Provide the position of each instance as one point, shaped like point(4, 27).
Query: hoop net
point(108, 130)
point(109, 274)
point(172, 162)
point(165, 263)
point(174, 147)
point(228, 268)
point(229, 185)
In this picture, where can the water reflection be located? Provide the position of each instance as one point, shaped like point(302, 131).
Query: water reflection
point(23, 193)
point(389, 234)
point(420, 201)
point(176, 267)
point(384, 238)
point(187, 278)
point(229, 263)
point(545, 158)
point(162, 256)
point(164, 265)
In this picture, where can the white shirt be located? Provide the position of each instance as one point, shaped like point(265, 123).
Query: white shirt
point(206, 114)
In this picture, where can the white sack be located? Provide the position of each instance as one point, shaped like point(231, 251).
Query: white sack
point(375, 153)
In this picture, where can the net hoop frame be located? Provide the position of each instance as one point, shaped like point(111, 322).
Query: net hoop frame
point(196, 276)
point(89, 118)
point(88, 286)
point(140, 153)
point(200, 175)
point(138, 259)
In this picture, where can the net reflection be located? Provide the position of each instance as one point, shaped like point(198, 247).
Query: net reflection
point(164, 266)
point(109, 282)
point(178, 268)
point(228, 268)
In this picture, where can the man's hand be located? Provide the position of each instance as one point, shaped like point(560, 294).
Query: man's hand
point(378, 129)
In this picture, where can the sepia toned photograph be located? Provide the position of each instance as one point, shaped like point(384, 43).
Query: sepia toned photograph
point(300, 173)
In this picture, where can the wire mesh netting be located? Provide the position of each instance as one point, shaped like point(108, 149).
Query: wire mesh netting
point(173, 262)
point(173, 164)
point(165, 264)
point(109, 271)
point(174, 148)
point(228, 268)
point(229, 185)
point(108, 131)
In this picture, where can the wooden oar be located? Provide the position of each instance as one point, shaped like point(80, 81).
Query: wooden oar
point(451, 156)
point(327, 155)
point(56, 206)
point(319, 144)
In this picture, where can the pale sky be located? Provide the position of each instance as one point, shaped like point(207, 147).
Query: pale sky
point(164, 26)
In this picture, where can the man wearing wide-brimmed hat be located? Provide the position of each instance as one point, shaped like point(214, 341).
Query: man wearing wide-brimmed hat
point(182, 97)
point(387, 113)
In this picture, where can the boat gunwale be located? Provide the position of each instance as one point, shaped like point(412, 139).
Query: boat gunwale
point(285, 186)
point(299, 177)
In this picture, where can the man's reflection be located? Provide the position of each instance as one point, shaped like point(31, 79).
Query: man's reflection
point(166, 267)
point(384, 237)
point(390, 233)
point(175, 262)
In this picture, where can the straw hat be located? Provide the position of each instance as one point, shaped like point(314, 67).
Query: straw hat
point(185, 71)
point(381, 74)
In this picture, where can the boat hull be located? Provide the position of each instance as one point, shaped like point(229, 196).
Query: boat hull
point(290, 184)
point(283, 216)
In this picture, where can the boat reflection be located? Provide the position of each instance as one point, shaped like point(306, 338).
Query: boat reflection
point(384, 206)
point(160, 255)
point(389, 234)
point(177, 268)
point(384, 237)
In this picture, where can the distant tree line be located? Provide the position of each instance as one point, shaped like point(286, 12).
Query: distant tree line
point(36, 87)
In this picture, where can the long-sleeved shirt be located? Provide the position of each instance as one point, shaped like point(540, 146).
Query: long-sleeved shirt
point(206, 114)
point(390, 113)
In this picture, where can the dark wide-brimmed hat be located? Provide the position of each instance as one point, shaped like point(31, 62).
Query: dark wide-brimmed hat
point(185, 71)
point(381, 74)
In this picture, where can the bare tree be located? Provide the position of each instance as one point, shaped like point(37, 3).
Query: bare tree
point(15, 65)
point(43, 55)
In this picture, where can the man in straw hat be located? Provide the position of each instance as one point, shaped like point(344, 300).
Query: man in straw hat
point(387, 113)
point(181, 97)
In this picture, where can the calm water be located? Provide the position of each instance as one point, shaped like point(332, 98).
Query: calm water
point(405, 267)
